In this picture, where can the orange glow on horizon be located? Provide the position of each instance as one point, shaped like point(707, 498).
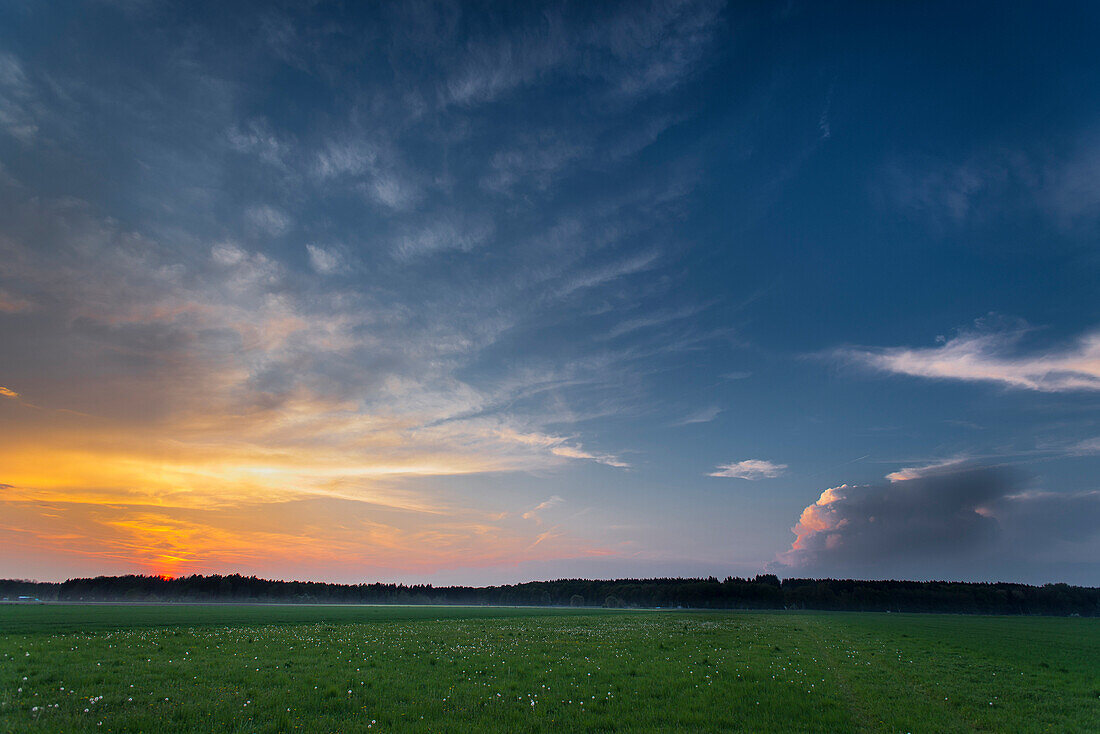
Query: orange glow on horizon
point(312, 484)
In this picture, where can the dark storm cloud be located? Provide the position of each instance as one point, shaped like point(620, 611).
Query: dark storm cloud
point(958, 523)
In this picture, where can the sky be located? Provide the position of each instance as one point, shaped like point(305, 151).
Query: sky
point(484, 293)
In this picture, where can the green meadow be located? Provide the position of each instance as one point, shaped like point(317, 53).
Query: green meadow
point(462, 669)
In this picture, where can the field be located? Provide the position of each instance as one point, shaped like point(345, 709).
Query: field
point(347, 669)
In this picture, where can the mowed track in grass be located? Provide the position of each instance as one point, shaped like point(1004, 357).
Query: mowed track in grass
point(346, 669)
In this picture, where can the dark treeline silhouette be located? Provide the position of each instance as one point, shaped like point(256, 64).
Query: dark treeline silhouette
point(762, 592)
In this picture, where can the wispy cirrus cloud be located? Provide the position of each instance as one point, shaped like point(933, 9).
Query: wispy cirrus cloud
point(1070, 192)
point(649, 321)
point(704, 415)
point(995, 357)
point(305, 359)
point(531, 164)
point(578, 452)
point(985, 183)
point(17, 100)
point(751, 469)
point(923, 470)
point(447, 232)
point(533, 513)
point(222, 378)
point(1087, 447)
point(197, 352)
point(600, 274)
point(948, 191)
point(646, 50)
point(561, 446)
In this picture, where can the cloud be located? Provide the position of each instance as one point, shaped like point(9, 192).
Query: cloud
point(560, 446)
point(11, 304)
point(229, 346)
point(366, 161)
point(392, 191)
point(447, 232)
point(1087, 447)
point(977, 356)
point(663, 47)
point(346, 158)
point(535, 164)
point(602, 274)
point(552, 502)
point(945, 190)
point(577, 452)
point(17, 101)
point(222, 378)
point(227, 254)
point(219, 371)
point(823, 120)
point(635, 51)
point(741, 375)
point(1071, 187)
point(955, 523)
point(936, 467)
point(987, 182)
point(658, 318)
point(326, 261)
point(268, 220)
point(751, 469)
point(705, 415)
point(532, 514)
point(256, 137)
point(8, 393)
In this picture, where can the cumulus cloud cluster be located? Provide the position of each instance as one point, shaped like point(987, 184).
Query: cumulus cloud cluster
point(947, 522)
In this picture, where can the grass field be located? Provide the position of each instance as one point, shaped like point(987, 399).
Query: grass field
point(346, 669)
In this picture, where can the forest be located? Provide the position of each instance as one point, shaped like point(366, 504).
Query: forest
point(765, 591)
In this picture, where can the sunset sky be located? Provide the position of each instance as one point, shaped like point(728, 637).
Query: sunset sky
point(481, 293)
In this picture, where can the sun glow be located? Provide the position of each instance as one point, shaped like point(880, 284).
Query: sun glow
point(168, 502)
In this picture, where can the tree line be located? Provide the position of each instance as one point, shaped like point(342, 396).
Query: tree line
point(765, 591)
